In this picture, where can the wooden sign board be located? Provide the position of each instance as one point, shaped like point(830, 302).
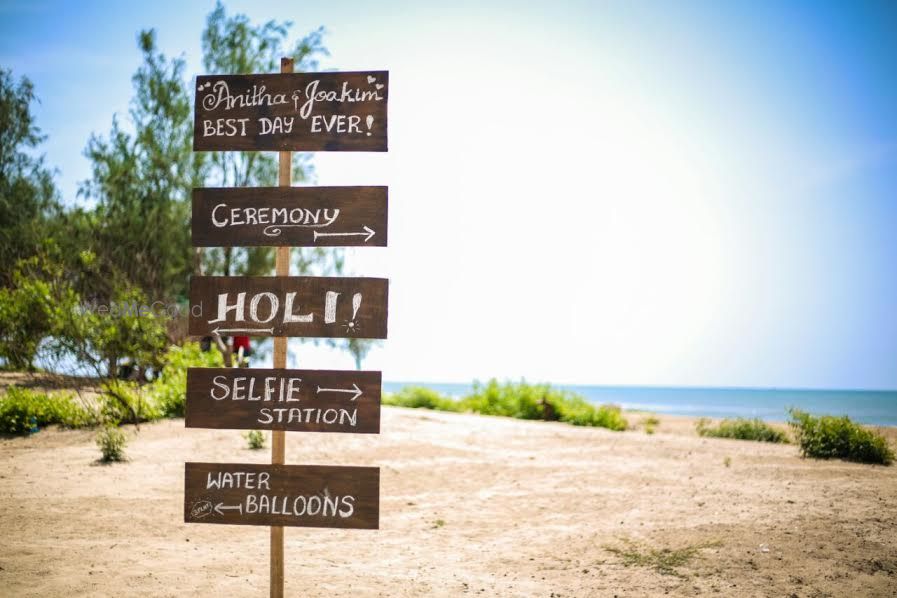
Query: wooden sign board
point(290, 217)
point(282, 495)
point(329, 307)
point(292, 112)
point(280, 399)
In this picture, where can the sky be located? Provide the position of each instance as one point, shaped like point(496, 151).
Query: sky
point(654, 193)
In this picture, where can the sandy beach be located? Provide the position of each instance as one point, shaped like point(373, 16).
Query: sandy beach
point(469, 505)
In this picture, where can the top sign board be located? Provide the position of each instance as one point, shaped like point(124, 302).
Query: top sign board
point(341, 112)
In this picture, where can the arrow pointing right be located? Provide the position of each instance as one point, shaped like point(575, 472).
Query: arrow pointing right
point(355, 391)
point(368, 233)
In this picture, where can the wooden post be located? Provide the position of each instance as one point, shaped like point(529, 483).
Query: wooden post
point(278, 437)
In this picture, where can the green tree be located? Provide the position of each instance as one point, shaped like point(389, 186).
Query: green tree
point(142, 183)
point(27, 194)
point(359, 349)
point(33, 307)
point(233, 45)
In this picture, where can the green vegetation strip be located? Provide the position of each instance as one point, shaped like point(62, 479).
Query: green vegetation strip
point(741, 429)
point(515, 399)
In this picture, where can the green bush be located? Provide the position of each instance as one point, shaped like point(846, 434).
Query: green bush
point(32, 309)
point(577, 411)
point(741, 429)
point(417, 397)
point(112, 443)
point(519, 400)
point(168, 392)
point(125, 401)
point(22, 409)
point(540, 401)
point(830, 437)
point(255, 439)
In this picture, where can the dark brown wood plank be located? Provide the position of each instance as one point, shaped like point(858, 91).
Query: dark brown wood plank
point(290, 217)
point(281, 399)
point(309, 306)
point(288, 495)
point(292, 112)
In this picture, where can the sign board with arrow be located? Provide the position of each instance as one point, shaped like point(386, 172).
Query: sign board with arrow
point(284, 495)
point(279, 399)
point(292, 112)
point(329, 307)
point(290, 217)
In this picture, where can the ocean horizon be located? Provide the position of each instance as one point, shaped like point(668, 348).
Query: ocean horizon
point(873, 407)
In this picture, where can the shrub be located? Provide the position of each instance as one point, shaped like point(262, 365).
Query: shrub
point(22, 410)
point(255, 439)
point(519, 400)
point(165, 396)
point(112, 443)
point(650, 423)
point(741, 429)
point(540, 401)
point(830, 437)
point(168, 392)
point(417, 397)
point(124, 401)
point(577, 411)
point(32, 309)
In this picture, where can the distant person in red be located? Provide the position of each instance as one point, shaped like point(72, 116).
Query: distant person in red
point(242, 350)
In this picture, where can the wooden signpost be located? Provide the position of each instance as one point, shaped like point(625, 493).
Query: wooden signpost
point(282, 495)
point(294, 111)
point(290, 216)
point(287, 112)
point(288, 306)
point(292, 400)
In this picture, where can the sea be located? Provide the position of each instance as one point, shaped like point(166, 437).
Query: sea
point(874, 407)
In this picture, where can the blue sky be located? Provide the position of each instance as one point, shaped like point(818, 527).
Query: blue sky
point(660, 193)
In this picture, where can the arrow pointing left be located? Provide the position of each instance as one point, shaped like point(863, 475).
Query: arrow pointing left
point(221, 507)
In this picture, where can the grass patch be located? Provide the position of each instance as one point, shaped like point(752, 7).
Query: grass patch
point(650, 424)
point(831, 437)
point(665, 561)
point(23, 411)
point(741, 429)
point(515, 399)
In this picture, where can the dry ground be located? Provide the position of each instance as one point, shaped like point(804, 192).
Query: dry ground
point(469, 505)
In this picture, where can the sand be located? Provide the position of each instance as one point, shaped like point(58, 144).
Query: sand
point(469, 505)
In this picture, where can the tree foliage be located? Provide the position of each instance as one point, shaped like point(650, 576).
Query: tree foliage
point(129, 243)
point(28, 196)
point(142, 183)
point(233, 45)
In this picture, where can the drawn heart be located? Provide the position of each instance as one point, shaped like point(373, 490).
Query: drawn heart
point(371, 79)
point(379, 86)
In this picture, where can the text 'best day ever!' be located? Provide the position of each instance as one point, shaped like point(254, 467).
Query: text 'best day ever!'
point(292, 111)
